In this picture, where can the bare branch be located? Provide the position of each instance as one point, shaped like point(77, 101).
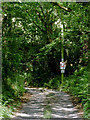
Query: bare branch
point(66, 9)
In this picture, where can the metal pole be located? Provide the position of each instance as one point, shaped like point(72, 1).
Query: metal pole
point(62, 54)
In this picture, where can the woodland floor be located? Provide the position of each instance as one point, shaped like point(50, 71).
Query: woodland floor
point(40, 103)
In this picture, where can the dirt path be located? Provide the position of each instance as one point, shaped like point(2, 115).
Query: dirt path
point(47, 104)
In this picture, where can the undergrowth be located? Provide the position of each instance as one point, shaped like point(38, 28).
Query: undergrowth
point(53, 83)
point(77, 85)
point(11, 92)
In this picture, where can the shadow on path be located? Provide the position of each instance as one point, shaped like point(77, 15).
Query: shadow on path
point(47, 104)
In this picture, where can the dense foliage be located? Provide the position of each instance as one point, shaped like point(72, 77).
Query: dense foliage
point(31, 50)
point(77, 85)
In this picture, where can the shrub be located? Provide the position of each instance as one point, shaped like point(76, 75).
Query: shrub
point(77, 85)
point(53, 83)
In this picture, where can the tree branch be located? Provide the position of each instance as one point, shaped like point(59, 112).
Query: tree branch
point(66, 9)
point(40, 17)
point(42, 10)
point(39, 27)
point(36, 24)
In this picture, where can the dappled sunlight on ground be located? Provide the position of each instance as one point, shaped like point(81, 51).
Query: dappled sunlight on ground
point(47, 104)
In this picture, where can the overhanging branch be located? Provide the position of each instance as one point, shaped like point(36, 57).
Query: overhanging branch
point(64, 8)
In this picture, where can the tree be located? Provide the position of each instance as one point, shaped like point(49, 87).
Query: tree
point(32, 38)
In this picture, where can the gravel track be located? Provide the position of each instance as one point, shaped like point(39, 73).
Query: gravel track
point(47, 104)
